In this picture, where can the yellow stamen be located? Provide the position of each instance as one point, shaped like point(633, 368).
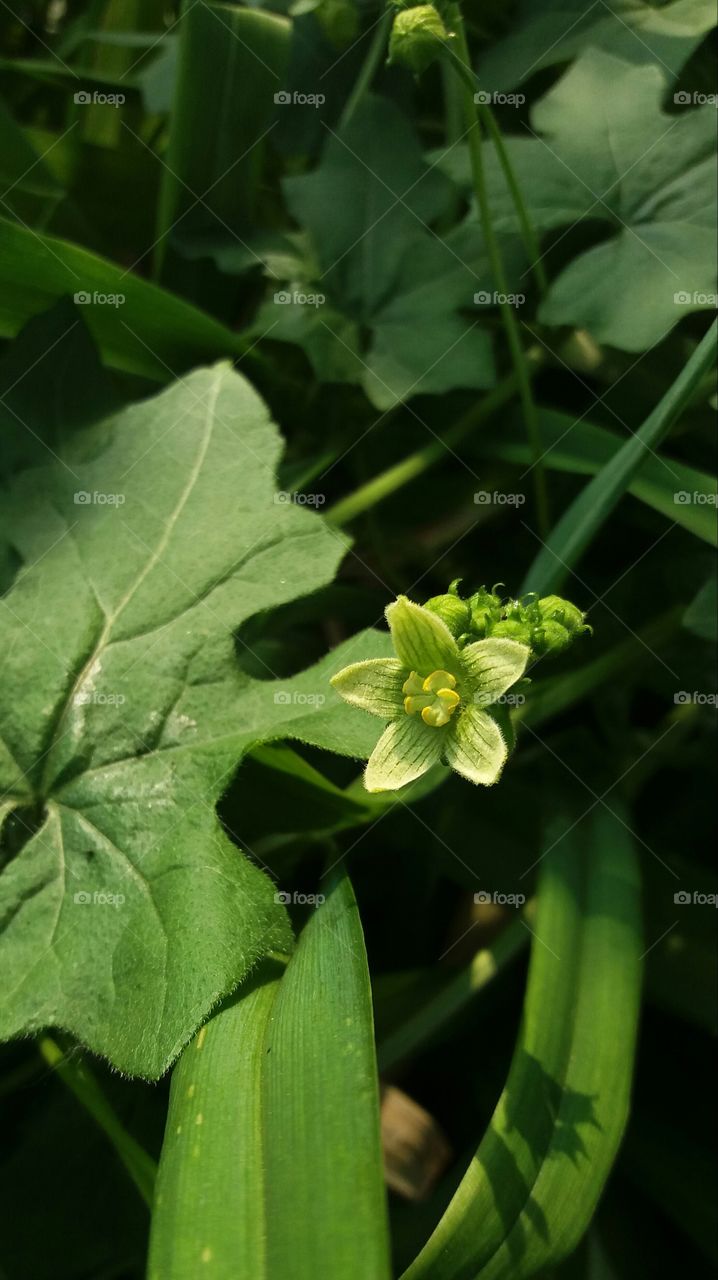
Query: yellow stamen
point(433, 698)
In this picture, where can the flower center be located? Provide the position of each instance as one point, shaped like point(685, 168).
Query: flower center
point(433, 698)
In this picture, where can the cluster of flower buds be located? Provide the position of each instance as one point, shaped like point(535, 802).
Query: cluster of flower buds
point(417, 35)
point(547, 625)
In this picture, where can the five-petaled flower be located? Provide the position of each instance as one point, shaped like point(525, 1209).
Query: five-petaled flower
point(440, 700)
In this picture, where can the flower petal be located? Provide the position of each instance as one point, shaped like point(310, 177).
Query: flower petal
point(422, 641)
point(475, 747)
point(374, 685)
point(405, 750)
point(493, 665)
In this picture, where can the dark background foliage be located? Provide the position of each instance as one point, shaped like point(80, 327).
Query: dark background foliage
point(168, 194)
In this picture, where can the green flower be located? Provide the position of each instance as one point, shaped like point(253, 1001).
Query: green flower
point(437, 698)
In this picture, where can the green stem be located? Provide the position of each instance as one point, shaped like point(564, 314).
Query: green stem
point(369, 68)
point(486, 116)
point(387, 482)
point(453, 131)
point(462, 64)
point(528, 234)
point(79, 1080)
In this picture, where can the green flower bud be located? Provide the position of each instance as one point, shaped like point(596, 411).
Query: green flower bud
point(453, 611)
point(515, 628)
point(550, 637)
point(557, 623)
point(485, 607)
point(416, 37)
point(556, 609)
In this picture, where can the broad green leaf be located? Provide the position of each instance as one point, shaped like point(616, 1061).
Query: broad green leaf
point(128, 913)
point(589, 511)
point(616, 157)
point(653, 174)
point(371, 191)
point(532, 1187)
point(330, 340)
point(384, 267)
point(149, 332)
point(630, 29)
point(681, 493)
point(386, 270)
point(273, 1113)
point(407, 356)
point(231, 65)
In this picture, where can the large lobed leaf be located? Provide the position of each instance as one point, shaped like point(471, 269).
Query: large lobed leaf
point(630, 29)
point(601, 148)
point(126, 912)
point(368, 208)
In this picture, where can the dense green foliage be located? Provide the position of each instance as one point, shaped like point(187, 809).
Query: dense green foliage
point(313, 314)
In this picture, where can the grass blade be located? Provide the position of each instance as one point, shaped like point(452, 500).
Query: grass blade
point(209, 1202)
point(232, 61)
point(150, 333)
point(584, 448)
point(590, 510)
point(321, 1100)
point(79, 1079)
point(532, 1187)
point(274, 1111)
